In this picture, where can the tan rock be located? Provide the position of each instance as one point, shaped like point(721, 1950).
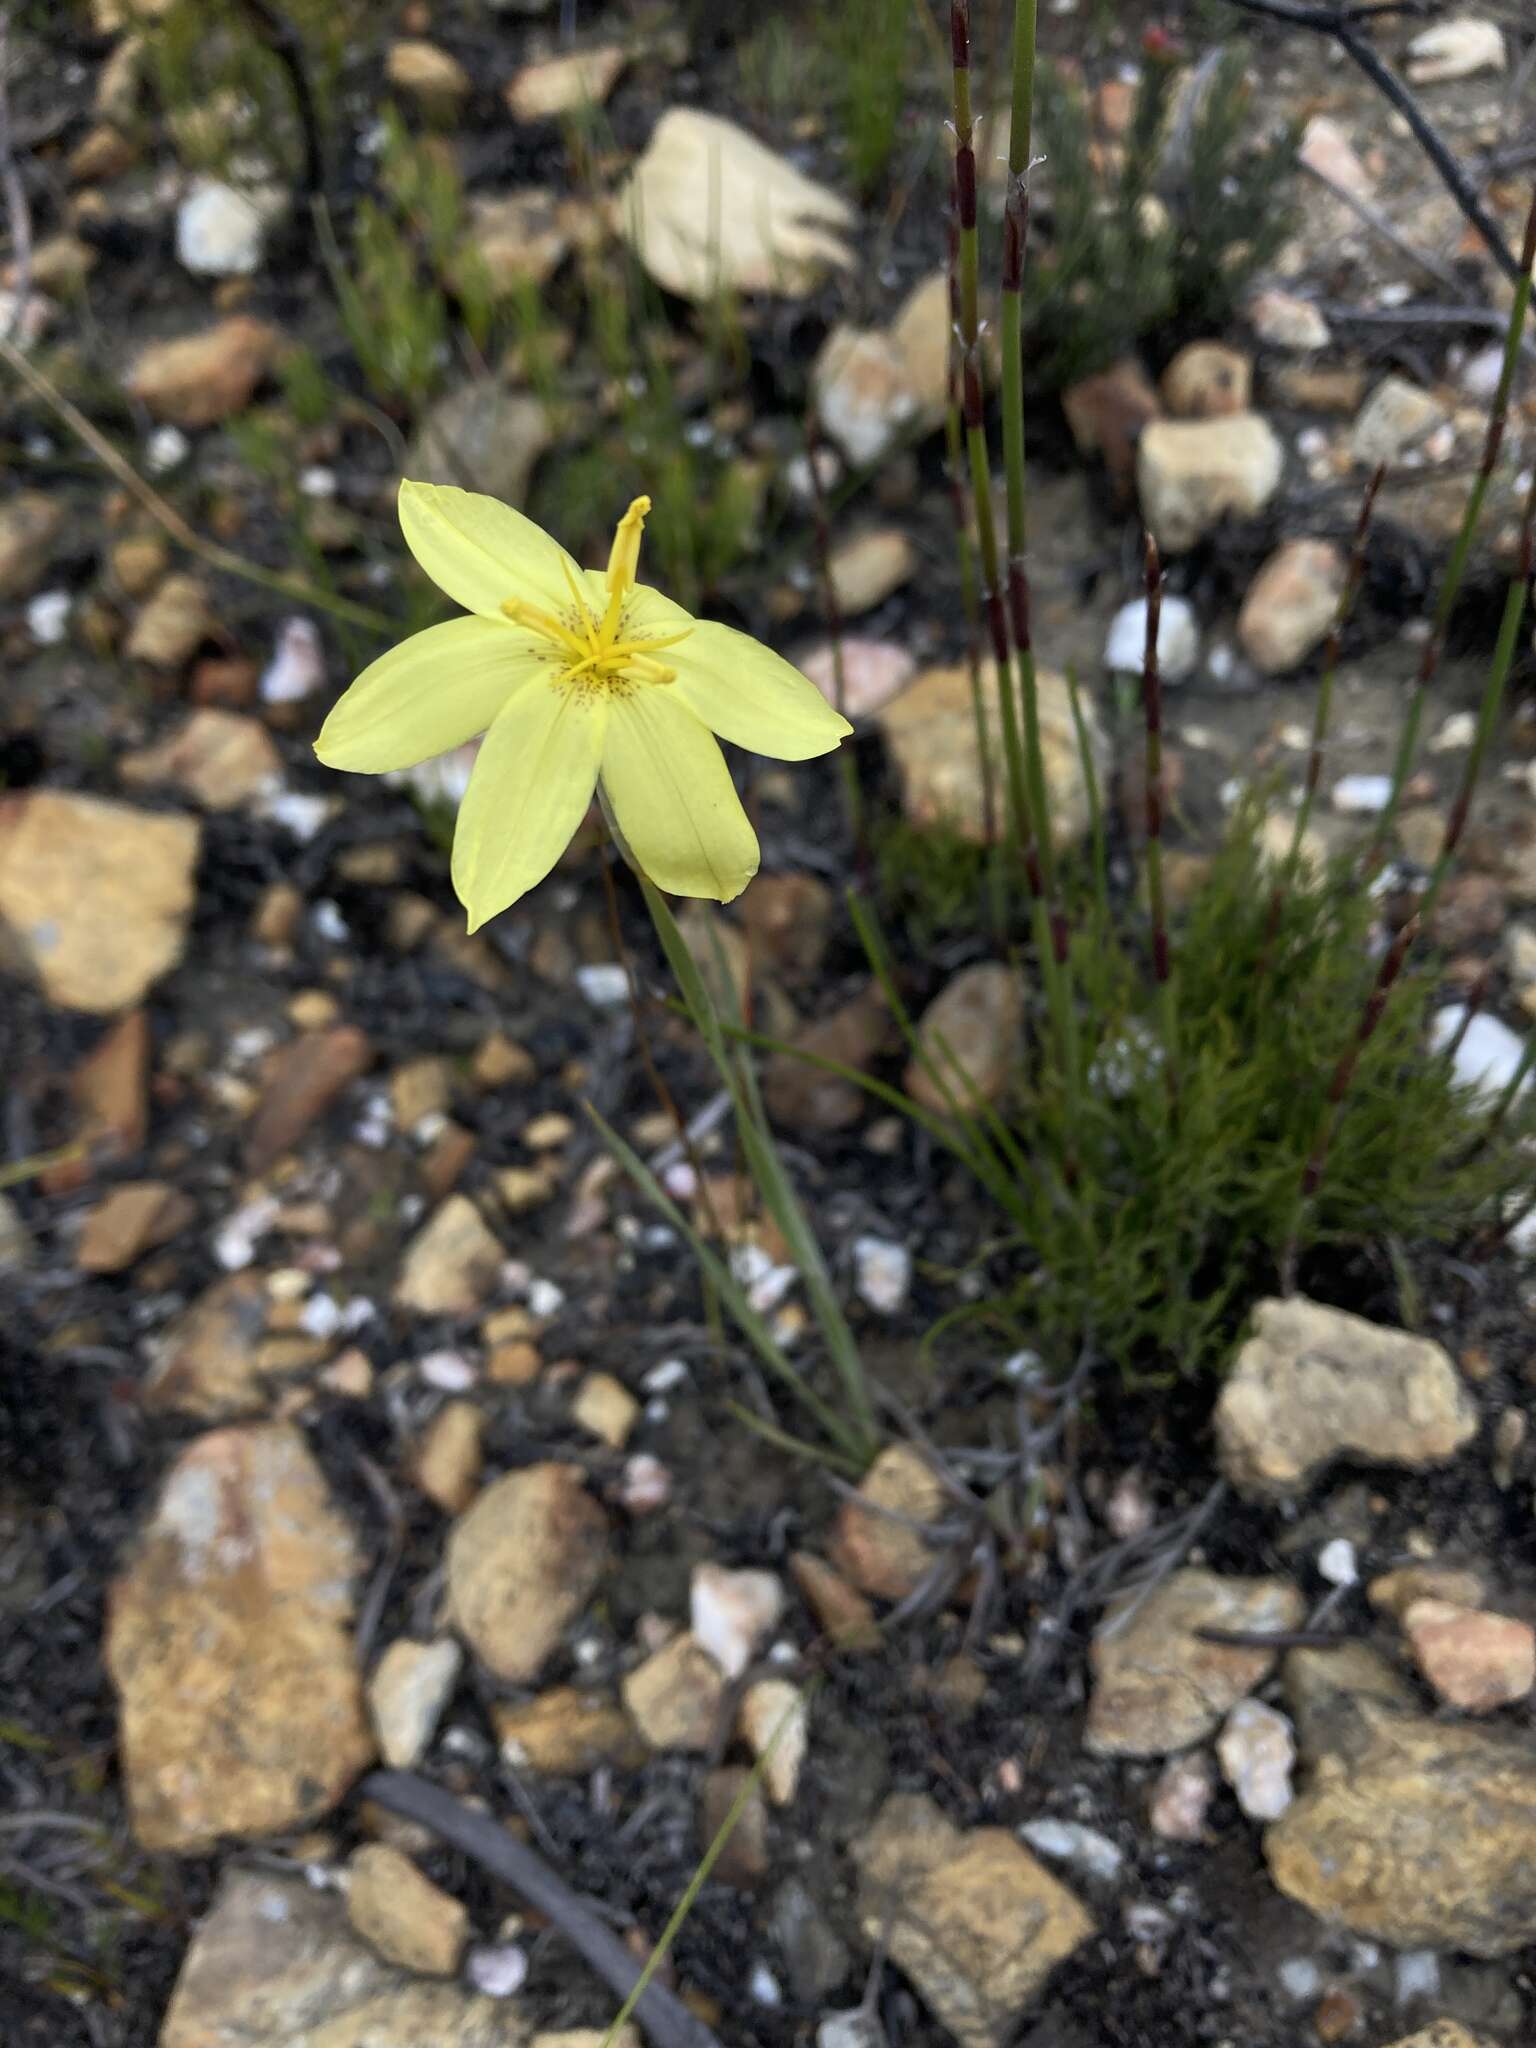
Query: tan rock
point(874, 386)
point(1394, 1592)
point(451, 1263)
point(606, 1407)
point(522, 1564)
point(448, 1461)
point(1291, 605)
point(1396, 418)
point(1443, 2034)
point(110, 1087)
point(518, 238)
point(1191, 473)
point(218, 758)
point(587, 2037)
point(402, 1915)
point(1412, 1831)
point(874, 1542)
point(499, 1062)
point(567, 1733)
point(774, 1722)
point(845, 1615)
point(407, 1693)
point(1313, 1384)
point(138, 562)
point(30, 524)
point(130, 1221)
point(562, 85)
point(1158, 1686)
point(787, 919)
point(1327, 151)
point(203, 378)
point(94, 896)
point(1319, 387)
point(973, 1035)
point(228, 1640)
point(103, 153)
point(747, 1856)
point(675, 1697)
point(931, 731)
point(429, 74)
point(301, 1082)
point(1473, 1660)
point(167, 633)
point(276, 1965)
point(868, 569)
point(1108, 414)
point(805, 1098)
point(1282, 320)
point(482, 437)
point(971, 1917)
point(708, 209)
point(1207, 380)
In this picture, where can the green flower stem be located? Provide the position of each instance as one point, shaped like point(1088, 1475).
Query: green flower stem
point(1456, 567)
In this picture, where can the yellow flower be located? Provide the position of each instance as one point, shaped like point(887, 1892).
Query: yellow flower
point(575, 677)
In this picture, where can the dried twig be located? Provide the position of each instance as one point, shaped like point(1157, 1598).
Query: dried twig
point(1343, 24)
point(664, 2017)
point(165, 514)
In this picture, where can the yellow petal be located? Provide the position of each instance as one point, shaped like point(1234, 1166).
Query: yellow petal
point(673, 798)
point(529, 790)
point(432, 692)
point(479, 551)
point(751, 697)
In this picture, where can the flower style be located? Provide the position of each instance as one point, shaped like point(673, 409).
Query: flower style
point(575, 677)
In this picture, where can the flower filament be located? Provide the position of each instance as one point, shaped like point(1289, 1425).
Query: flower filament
point(595, 649)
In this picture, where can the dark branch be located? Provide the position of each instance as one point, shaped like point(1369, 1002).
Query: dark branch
point(664, 2017)
point(1342, 23)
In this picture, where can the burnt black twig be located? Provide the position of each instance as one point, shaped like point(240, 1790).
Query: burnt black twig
point(664, 2017)
point(1343, 24)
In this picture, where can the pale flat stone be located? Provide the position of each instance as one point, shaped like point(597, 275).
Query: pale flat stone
point(522, 1564)
point(1191, 474)
point(567, 1733)
point(401, 1914)
point(931, 731)
point(971, 1917)
point(450, 1265)
point(275, 1965)
point(708, 208)
point(199, 379)
point(94, 897)
point(675, 1696)
point(1291, 605)
point(1158, 1686)
point(1474, 1661)
point(561, 85)
point(1314, 1384)
point(229, 1642)
point(407, 1694)
point(1411, 1831)
point(876, 1545)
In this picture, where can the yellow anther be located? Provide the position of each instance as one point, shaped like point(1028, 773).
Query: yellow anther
point(623, 561)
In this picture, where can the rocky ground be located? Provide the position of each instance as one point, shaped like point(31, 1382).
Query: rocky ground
point(356, 1414)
